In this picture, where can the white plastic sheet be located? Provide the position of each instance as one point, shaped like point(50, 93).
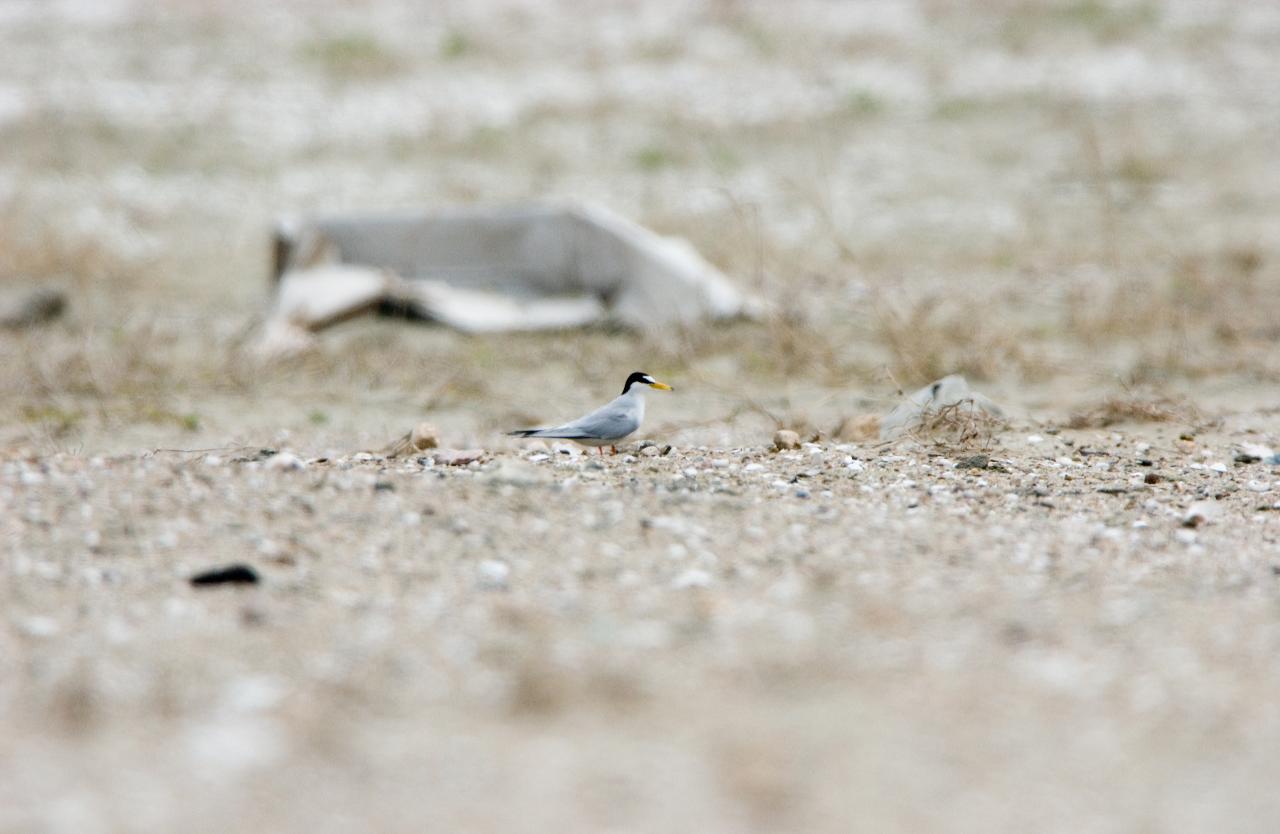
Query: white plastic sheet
point(478, 270)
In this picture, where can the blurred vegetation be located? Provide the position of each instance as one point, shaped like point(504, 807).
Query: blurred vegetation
point(902, 220)
point(357, 55)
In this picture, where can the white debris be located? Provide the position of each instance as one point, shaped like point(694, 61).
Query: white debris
point(535, 267)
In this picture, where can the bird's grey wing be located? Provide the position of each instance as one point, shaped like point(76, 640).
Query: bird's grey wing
point(606, 423)
point(568, 432)
point(581, 429)
point(612, 420)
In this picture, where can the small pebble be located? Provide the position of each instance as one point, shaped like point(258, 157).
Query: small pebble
point(494, 574)
point(516, 473)
point(425, 436)
point(40, 626)
point(456, 457)
point(285, 462)
point(692, 578)
point(1199, 513)
point(785, 439)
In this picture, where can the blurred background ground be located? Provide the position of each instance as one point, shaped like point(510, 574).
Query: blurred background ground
point(1069, 201)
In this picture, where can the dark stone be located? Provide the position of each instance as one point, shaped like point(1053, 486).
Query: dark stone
point(1015, 633)
point(36, 307)
point(237, 574)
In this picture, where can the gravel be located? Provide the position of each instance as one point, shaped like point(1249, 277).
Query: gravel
point(646, 617)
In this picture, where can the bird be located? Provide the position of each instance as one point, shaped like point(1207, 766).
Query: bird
point(608, 424)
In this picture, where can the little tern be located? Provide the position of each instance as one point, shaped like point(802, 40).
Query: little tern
point(608, 424)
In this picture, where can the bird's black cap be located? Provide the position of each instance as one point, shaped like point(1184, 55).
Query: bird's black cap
point(640, 377)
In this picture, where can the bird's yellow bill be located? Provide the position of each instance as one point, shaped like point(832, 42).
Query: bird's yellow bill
point(662, 386)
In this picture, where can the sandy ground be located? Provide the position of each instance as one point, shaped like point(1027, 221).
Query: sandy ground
point(1076, 204)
